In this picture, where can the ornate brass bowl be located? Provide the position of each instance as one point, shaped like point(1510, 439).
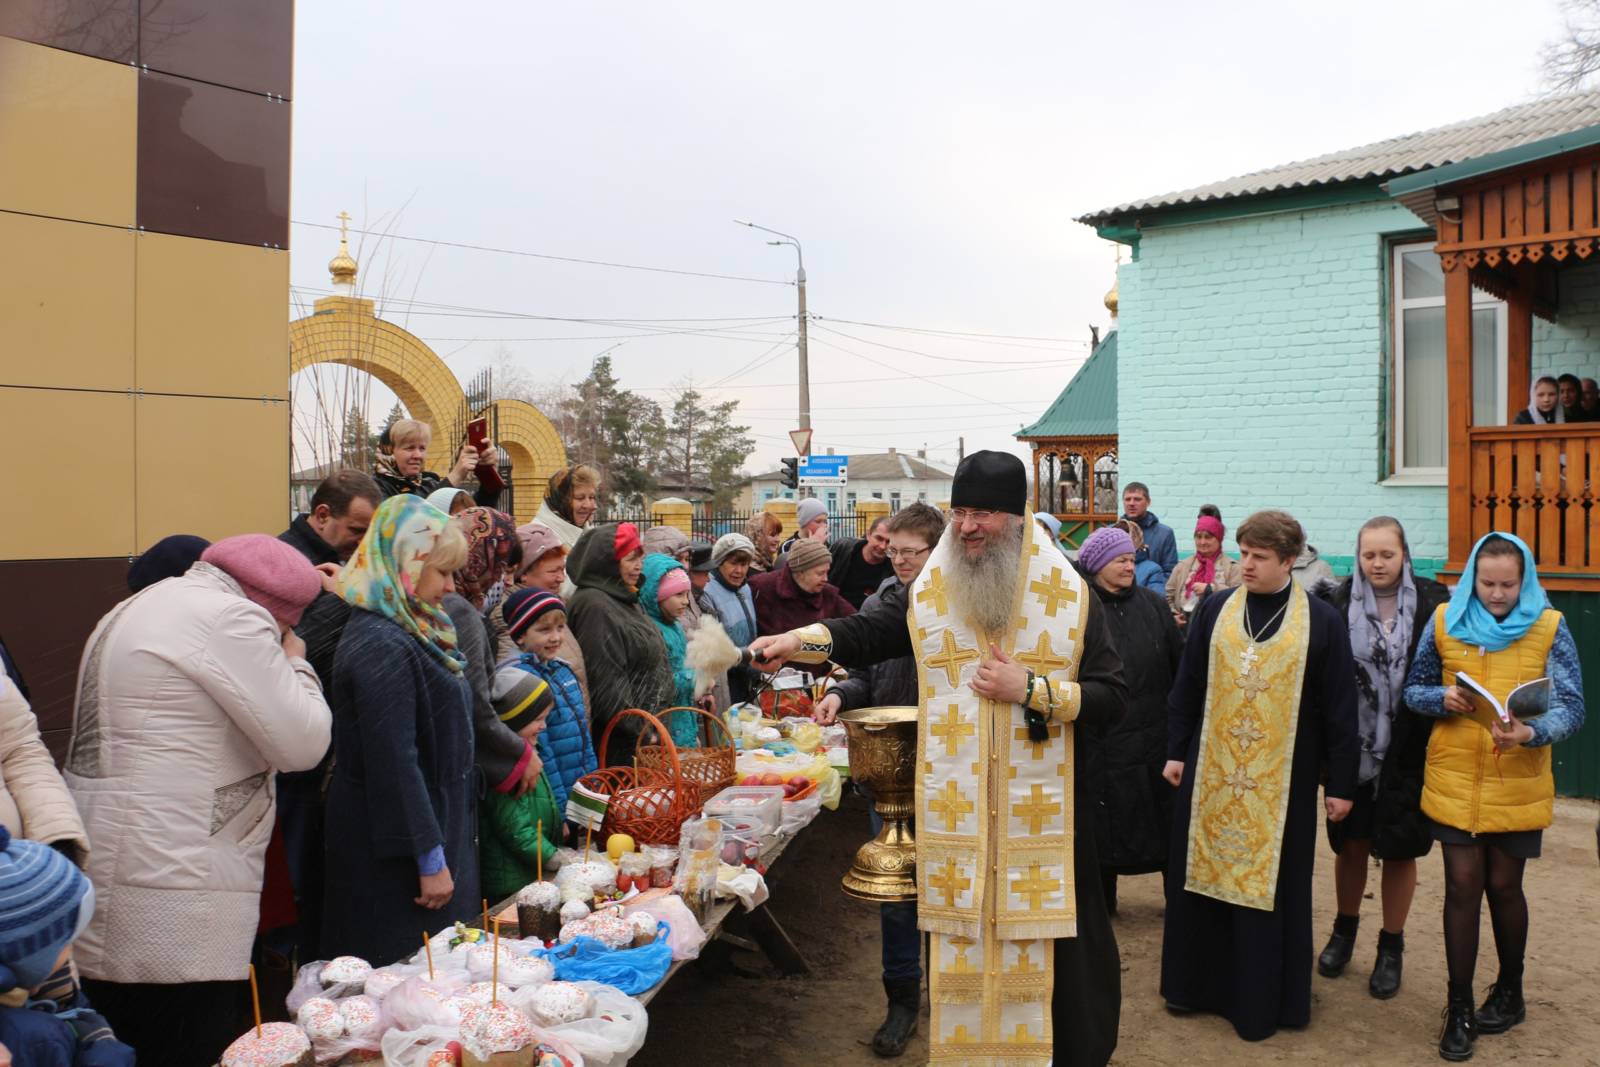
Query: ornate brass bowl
point(883, 758)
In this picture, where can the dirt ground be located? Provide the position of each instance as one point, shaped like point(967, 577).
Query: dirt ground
point(740, 1005)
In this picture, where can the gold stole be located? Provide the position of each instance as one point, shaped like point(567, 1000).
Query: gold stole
point(994, 814)
point(1246, 756)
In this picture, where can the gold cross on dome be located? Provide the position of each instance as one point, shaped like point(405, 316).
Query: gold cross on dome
point(1037, 810)
point(1052, 731)
point(951, 806)
point(952, 731)
point(950, 883)
point(951, 659)
point(1043, 659)
point(935, 592)
point(1035, 886)
point(1053, 591)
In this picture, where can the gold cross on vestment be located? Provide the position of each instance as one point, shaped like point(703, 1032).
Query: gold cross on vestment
point(951, 806)
point(952, 731)
point(951, 659)
point(1024, 965)
point(961, 965)
point(962, 1036)
point(1035, 886)
point(935, 592)
point(1239, 781)
point(1252, 684)
point(950, 883)
point(1246, 733)
point(1037, 810)
point(1052, 731)
point(1021, 1035)
point(1053, 592)
point(1043, 659)
point(1248, 658)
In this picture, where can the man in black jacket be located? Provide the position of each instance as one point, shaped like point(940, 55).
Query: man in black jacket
point(341, 511)
point(861, 564)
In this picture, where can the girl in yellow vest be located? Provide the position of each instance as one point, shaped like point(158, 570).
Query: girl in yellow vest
point(1489, 792)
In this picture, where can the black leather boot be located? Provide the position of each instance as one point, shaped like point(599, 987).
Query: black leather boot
point(1340, 945)
point(1460, 1027)
point(905, 1003)
point(1503, 1008)
point(1385, 981)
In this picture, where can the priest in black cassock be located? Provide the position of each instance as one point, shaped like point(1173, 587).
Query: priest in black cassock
point(1012, 651)
point(1264, 701)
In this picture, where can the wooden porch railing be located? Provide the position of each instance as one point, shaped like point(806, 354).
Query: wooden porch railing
point(1541, 483)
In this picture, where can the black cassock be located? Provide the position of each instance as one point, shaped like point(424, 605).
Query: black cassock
point(1087, 1000)
point(1251, 966)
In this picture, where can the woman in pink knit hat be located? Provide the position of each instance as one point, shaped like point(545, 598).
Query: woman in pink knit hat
point(191, 694)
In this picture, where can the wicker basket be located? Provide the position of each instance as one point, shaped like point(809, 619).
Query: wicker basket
point(711, 767)
point(648, 804)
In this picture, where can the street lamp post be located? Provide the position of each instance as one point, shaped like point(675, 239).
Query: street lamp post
point(800, 346)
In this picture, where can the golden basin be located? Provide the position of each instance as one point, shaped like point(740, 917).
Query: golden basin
point(883, 759)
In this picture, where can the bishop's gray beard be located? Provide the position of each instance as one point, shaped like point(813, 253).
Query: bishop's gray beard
point(982, 589)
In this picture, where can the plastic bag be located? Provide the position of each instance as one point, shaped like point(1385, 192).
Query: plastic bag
point(417, 1002)
point(411, 1048)
point(368, 1039)
point(308, 984)
point(797, 814)
point(685, 936)
point(612, 1034)
point(632, 970)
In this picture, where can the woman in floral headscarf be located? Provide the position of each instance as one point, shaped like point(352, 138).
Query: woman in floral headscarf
point(493, 553)
point(401, 811)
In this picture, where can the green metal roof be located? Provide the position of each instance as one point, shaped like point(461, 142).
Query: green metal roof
point(1087, 407)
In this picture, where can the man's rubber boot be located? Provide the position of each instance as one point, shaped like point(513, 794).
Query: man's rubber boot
point(1460, 1027)
point(1341, 944)
point(1502, 1009)
point(905, 1003)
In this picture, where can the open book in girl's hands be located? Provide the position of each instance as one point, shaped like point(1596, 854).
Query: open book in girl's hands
point(1527, 701)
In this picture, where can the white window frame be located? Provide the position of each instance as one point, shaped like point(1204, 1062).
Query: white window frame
point(1400, 474)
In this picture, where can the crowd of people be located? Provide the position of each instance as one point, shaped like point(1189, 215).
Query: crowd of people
point(1567, 398)
point(321, 743)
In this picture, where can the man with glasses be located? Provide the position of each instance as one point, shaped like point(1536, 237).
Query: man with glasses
point(909, 537)
point(861, 564)
point(1012, 650)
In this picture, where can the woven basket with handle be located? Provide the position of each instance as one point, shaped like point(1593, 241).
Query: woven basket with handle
point(711, 767)
point(648, 804)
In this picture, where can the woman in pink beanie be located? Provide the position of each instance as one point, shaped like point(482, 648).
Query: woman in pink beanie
point(191, 695)
point(270, 572)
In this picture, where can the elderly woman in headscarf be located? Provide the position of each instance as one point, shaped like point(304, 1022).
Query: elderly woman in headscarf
point(570, 503)
point(1133, 805)
point(1203, 573)
point(402, 816)
point(493, 550)
point(626, 657)
point(1387, 607)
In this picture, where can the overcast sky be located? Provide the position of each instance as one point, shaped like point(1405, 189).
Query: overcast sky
point(930, 156)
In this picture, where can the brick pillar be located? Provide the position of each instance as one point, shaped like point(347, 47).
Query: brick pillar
point(868, 512)
point(678, 514)
point(785, 510)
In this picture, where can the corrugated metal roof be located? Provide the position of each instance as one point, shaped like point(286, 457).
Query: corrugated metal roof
point(1512, 126)
point(1088, 405)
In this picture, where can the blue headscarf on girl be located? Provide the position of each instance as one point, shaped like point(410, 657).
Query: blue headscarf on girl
point(1466, 618)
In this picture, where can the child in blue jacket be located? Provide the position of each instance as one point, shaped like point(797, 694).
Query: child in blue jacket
point(537, 621)
point(45, 902)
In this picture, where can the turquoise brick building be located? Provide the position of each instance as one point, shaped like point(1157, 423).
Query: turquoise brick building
point(1281, 338)
point(1349, 335)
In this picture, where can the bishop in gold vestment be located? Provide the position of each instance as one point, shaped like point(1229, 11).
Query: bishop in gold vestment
point(1012, 651)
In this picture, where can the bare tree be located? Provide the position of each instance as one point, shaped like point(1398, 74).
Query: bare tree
point(1573, 59)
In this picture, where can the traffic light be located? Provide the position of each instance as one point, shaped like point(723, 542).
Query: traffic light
point(791, 473)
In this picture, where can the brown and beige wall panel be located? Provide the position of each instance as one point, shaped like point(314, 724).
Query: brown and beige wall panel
point(144, 273)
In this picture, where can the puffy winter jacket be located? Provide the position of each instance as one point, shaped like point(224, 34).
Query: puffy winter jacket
point(1160, 544)
point(34, 802)
point(565, 746)
point(186, 706)
point(681, 724)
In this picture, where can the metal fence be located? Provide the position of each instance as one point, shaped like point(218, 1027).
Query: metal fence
point(709, 527)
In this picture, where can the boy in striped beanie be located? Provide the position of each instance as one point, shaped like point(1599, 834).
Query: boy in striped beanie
point(45, 902)
point(517, 832)
point(537, 622)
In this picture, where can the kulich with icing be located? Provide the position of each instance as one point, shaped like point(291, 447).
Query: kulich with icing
point(561, 1002)
point(343, 969)
point(319, 1017)
point(363, 1019)
point(488, 1030)
point(280, 1045)
point(520, 971)
point(381, 983)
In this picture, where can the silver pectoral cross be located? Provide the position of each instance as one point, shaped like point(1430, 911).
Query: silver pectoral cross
point(1248, 658)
